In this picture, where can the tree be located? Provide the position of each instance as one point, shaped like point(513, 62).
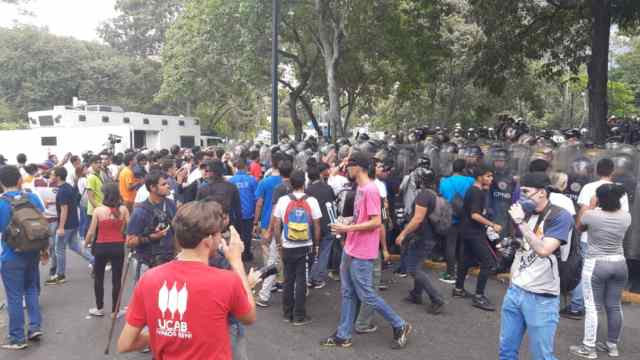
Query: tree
point(141, 26)
point(564, 34)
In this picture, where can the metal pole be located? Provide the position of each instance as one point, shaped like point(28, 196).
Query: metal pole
point(274, 71)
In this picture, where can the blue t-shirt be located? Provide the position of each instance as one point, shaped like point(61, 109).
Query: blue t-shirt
point(5, 217)
point(456, 184)
point(247, 186)
point(67, 195)
point(265, 192)
point(144, 223)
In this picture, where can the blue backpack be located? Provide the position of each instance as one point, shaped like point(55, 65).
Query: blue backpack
point(297, 220)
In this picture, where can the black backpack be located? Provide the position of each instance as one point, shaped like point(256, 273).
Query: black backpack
point(570, 270)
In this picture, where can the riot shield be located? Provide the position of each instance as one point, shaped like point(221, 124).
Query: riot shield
point(565, 156)
point(447, 155)
point(432, 152)
point(580, 172)
point(407, 159)
point(502, 190)
point(520, 159)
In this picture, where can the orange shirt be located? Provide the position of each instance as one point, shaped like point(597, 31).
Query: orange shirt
point(125, 180)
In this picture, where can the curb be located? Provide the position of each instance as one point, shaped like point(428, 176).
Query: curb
point(627, 296)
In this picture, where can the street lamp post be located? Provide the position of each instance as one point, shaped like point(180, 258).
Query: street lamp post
point(274, 71)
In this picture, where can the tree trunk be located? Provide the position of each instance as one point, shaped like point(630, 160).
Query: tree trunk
point(309, 110)
point(295, 119)
point(598, 69)
point(330, 35)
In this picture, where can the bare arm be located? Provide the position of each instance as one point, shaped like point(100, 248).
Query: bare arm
point(92, 230)
point(579, 225)
point(132, 339)
point(316, 232)
point(543, 246)
point(374, 222)
point(418, 217)
point(92, 198)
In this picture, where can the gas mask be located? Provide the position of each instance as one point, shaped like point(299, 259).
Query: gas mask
point(528, 204)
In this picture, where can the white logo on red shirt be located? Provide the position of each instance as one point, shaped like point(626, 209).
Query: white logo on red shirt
point(173, 301)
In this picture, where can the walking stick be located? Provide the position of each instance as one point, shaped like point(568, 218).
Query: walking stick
point(123, 282)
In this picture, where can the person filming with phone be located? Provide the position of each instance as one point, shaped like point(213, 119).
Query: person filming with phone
point(150, 232)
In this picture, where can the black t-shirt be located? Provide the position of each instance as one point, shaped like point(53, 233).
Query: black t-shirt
point(324, 194)
point(474, 203)
point(426, 199)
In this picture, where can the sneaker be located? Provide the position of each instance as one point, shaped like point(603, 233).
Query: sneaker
point(334, 275)
point(335, 341)
point(447, 278)
point(370, 329)
point(319, 284)
point(610, 348)
point(413, 299)
point(279, 287)
point(108, 267)
point(287, 318)
point(568, 313)
point(52, 280)
point(145, 350)
point(584, 351)
point(435, 308)
point(15, 346)
point(61, 279)
point(401, 274)
point(401, 336)
point(35, 335)
point(262, 303)
point(482, 302)
point(460, 293)
point(96, 312)
point(383, 286)
point(302, 322)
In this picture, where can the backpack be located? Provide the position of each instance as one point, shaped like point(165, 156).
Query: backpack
point(297, 220)
point(441, 216)
point(28, 229)
point(570, 270)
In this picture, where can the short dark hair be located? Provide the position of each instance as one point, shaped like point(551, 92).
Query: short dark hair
point(275, 159)
point(141, 157)
point(254, 155)
point(128, 158)
point(74, 158)
point(240, 162)
point(313, 169)
point(167, 164)
point(94, 159)
point(60, 172)
point(605, 167)
point(219, 153)
point(31, 169)
point(539, 165)
point(9, 176)
point(481, 170)
point(153, 178)
point(112, 197)
point(195, 221)
point(609, 196)
point(285, 168)
point(22, 158)
point(297, 180)
point(459, 165)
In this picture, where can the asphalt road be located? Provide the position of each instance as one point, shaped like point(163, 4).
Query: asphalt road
point(461, 332)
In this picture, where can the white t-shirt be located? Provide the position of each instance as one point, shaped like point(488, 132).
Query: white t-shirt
point(337, 183)
point(562, 201)
point(143, 194)
point(382, 188)
point(588, 192)
point(281, 208)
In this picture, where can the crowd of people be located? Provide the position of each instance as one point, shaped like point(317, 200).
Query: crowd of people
point(190, 221)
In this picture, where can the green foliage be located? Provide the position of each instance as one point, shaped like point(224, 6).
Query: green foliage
point(40, 70)
point(141, 26)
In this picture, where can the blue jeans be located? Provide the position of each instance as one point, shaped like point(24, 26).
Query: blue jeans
point(356, 282)
point(69, 237)
point(319, 268)
point(21, 279)
point(84, 222)
point(52, 248)
point(577, 296)
point(525, 311)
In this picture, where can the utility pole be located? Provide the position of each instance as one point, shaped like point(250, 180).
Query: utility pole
point(274, 71)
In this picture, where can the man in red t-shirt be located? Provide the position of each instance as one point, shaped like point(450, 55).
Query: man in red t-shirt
point(185, 303)
point(255, 169)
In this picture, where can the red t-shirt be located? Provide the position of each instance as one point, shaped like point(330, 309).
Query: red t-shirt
point(255, 170)
point(186, 306)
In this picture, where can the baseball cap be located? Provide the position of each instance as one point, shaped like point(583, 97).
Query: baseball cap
point(359, 159)
point(537, 180)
